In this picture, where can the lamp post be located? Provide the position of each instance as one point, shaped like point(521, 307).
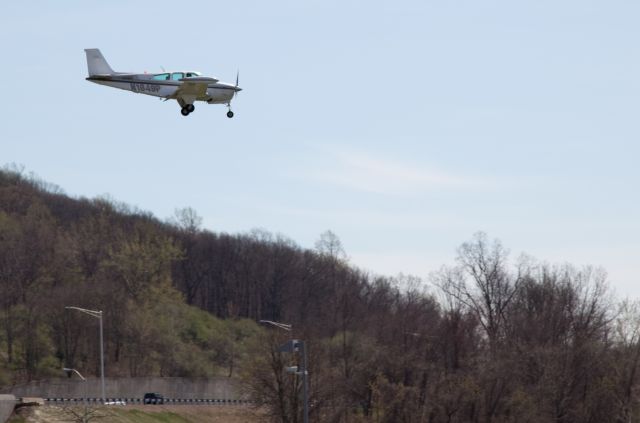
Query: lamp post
point(290, 347)
point(98, 315)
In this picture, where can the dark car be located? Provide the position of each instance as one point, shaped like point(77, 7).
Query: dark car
point(153, 398)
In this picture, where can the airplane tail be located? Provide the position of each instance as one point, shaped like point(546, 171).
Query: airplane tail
point(96, 63)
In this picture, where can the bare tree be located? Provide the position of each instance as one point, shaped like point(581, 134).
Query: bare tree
point(187, 219)
point(483, 283)
point(330, 245)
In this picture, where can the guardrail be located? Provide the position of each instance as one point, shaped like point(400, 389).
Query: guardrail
point(167, 401)
point(7, 404)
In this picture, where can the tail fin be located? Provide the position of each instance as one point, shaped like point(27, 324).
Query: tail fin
point(96, 63)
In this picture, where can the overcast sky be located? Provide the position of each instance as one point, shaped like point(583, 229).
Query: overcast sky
point(402, 126)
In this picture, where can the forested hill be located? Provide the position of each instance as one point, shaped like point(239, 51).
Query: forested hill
point(100, 254)
point(101, 245)
point(491, 341)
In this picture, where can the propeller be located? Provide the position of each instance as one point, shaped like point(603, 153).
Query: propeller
point(237, 89)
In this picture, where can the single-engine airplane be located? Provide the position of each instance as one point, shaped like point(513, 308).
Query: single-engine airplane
point(184, 87)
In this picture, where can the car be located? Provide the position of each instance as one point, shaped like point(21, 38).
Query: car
point(153, 398)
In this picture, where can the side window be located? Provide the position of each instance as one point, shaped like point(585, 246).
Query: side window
point(161, 77)
point(177, 75)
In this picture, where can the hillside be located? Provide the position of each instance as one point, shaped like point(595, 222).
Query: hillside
point(491, 340)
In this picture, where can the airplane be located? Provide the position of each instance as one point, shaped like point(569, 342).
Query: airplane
point(184, 87)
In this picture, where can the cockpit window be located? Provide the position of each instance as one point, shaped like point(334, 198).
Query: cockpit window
point(190, 74)
point(177, 76)
point(161, 77)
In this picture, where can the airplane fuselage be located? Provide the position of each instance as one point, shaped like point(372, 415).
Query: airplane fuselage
point(216, 93)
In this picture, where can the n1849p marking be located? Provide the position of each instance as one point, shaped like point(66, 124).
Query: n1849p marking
point(137, 87)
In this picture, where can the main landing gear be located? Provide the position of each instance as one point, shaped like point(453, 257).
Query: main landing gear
point(188, 108)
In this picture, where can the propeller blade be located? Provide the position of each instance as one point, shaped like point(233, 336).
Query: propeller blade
point(235, 93)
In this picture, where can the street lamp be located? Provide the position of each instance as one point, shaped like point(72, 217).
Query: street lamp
point(98, 315)
point(283, 326)
point(68, 370)
point(296, 345)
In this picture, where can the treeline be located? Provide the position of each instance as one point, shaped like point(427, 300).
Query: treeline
point(488, 341)
point(494, 343)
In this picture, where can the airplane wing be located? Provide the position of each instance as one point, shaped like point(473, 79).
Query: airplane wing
point(193, 87)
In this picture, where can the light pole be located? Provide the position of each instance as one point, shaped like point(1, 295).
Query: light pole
point(290, 347)
point(98, 315)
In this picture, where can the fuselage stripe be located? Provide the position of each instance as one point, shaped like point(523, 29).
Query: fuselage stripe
point(155, 82)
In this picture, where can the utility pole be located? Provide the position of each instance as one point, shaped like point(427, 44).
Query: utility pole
point(299, 346)
point(290, 347)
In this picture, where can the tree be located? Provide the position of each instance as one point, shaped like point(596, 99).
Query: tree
point(483, 283)
point(187, 220)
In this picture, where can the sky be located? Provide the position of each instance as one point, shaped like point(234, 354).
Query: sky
point(402, 126)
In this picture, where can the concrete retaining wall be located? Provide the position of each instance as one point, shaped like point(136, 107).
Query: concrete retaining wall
point(216, 388)
point(7, 404)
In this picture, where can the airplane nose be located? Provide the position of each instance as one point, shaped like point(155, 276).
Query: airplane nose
point(238, 89)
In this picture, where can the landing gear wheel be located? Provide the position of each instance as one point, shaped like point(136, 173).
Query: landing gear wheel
point(184, 111)
point(229, 114)
point(190, 107)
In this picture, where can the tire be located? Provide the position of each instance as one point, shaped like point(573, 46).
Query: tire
point(184, 111)
point(229, 114)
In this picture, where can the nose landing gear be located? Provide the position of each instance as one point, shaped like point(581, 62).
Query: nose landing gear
point(229, 113)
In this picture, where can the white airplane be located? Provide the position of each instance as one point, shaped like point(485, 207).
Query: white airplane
point(185, 87)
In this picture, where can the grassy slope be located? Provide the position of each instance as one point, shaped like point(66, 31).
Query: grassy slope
point(145, 414)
